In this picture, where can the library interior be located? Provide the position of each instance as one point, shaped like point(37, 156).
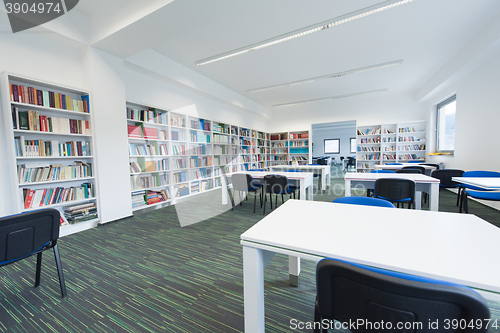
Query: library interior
point(256, 166)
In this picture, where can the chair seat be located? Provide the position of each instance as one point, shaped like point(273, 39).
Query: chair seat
point(485, 195)
point(394, 200)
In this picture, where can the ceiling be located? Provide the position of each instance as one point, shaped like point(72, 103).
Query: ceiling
point(426, 34)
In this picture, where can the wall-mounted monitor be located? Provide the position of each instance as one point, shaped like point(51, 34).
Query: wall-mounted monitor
point(332, 146)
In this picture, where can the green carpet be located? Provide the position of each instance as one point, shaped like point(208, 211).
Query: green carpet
point(147, 274)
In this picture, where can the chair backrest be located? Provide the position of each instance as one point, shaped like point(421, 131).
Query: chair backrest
point(24, 234)
point(445, 176)
point(481, 173)
point(394, 189)
point(414, 161)
point(431, 164)
point(294, 170)
point(394, 164)
point(421, 168)
point(242, 182)
point(322, 161)
point(409, 170)
point(276, 184)
point(382, 171)
point(256, 170)
point(365, 201)
point(348, 292)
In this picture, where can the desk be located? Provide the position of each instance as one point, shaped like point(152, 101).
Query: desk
point(428, 168)
point(304, 180)
point(486, 183)
point(459, 248)
point(323, 170)
point(422, 183)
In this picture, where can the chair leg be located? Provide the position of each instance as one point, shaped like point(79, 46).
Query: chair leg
point(265, 200)
point(275, 201)
point(458, 195)
point(241, 201)
point(38, 269)
point(60, 271)
point(465, 200)
point(254, 200)
point(282, 198)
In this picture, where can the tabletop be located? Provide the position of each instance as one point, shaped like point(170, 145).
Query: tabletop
point(459, 248)
point(261, 174)
point(491, 183)
point(418, 178)
point(399, 166)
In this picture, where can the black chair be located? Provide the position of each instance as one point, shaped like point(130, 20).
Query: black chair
point(413, 167)
point(445, 175)
point(276, 184)
point(351, 162)
point(409, 170)
point(245, 183)
point(354, 293)
point(24, 235)
point(395, 190)
point(431, 164)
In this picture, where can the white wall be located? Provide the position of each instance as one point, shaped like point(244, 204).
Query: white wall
point(368, 110)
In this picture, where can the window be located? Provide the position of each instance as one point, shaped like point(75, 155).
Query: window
point(353, 145)
point(332, 146)
point(445, 141)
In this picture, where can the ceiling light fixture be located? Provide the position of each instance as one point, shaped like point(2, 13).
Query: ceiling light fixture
point(308, 30)
point(329, 76)
point(332, 97)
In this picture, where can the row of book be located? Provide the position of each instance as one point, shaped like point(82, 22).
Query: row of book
point(281, 136)
point(143, 132)
point(278, 144)
point(222, 128)
point(199, 137)
point(31, 95)
point(244, 132)
point(248, 151)
point(196, 162)
point(53, 172)
point(149, 166)
point(145, 149)
point(33, 121)
point(299, 143)
point(182, 190)
point(200, 174)
point(295, 136)
point(149, 116)
point(179, 163)
point(218, 138)
point(54, 148)
point(50, 196)
point(144, 182)
point(153, 197)
point(245, 142)
point(408, 139)
point(180, 177)
point(221, 150)
point(80, 213)
point(178, 136)
point(299, 158)
point(199, 150)
point(279, 151)
point(365, 149)
point(408, 129)
point(370, 157)
point(412, 147)
point(177, 121)
point(200, 124)
point(178, 150)
point(374, 131)
point(370, 140)
point(222, 160)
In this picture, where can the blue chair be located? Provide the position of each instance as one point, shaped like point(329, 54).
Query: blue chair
point(349, 292)
point(414, 161)
point(365, 201)
point(465, 189)
point(370, 190)
point(394, 164)
point(483, 195)
point(256, 170)
point(27, 234)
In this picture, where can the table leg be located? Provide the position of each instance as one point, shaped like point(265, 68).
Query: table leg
point(329, 176)
point(254, 261)
point(434, 197)
point(294, 270)
point(418, 200)
point(347, 187)
point(224, 190)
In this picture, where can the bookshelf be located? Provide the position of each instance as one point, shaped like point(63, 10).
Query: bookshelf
point(390, 143)
point(289, 147)
point(149, 159)
point(49, 147)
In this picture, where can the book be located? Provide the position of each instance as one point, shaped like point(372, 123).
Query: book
point(150, 133)
point(150, 166)
point(134, 131)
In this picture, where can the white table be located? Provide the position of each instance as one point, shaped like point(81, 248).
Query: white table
point(422, 183)
point(459, 248)
point(428, 168)
point(304, 180)
point(486, 183)
point(323, 170)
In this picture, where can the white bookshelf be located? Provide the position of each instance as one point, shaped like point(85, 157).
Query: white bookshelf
point(49, 148)
point(390, 143)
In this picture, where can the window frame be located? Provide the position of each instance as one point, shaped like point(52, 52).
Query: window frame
point(439, 106)
point(337, 140)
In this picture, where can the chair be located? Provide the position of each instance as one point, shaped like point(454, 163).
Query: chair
point(431, 164)
point(351, 161)
point(243, 182)
point(276, 184)
point(370, 190)
point(294, 188)
point(395, 190)
point(409, 170)
point(365, 201)
point(421, 168)
point(464, 187)
point(26, 234)
point(415, 162)
point(445, 175)
point(349, 292)
point(394, 164)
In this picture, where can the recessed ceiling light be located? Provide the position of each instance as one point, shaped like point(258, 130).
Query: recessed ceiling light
point(308, 30)
point(329, 76)
point(332, 97)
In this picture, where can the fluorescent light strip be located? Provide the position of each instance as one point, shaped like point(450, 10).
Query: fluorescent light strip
point(329, 76)
point(308, 30)
point(333, 97)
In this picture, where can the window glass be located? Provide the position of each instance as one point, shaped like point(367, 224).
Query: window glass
point(446, 111)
